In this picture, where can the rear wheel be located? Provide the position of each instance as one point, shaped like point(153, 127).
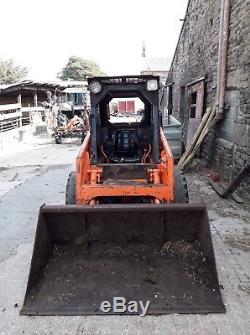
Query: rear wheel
point(71, 189)
point(180, 188)
point(58, 139)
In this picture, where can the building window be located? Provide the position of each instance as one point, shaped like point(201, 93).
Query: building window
point(195, 96)
point(193, 101)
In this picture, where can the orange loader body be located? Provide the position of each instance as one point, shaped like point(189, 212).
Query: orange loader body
point(159, 185)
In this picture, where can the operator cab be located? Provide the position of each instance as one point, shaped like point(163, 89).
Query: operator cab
point(124, 119)
point(125, 135)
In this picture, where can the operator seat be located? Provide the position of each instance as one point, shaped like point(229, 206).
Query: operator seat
point(126, 146)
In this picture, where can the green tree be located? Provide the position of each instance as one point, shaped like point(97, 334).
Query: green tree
point(78, 68)
point(10, 72)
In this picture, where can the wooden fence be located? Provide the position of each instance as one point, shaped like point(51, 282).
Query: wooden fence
point(14, 116)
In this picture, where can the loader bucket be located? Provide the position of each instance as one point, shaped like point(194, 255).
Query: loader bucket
point(84, 255)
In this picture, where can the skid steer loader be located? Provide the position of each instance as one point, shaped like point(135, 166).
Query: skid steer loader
point(127, 229)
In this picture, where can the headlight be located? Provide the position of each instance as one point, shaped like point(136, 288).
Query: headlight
point(95, 87)
point(152, 85)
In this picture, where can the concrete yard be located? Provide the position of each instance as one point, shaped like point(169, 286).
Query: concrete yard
point(37, 175)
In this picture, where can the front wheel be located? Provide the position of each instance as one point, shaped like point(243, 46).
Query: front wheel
point(58, 139)
point(71, 189)
point(180, 188)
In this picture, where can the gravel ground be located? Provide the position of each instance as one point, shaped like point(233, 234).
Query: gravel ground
point(38, 175)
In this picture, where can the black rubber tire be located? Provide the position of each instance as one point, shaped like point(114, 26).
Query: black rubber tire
point(70, 198)
point(58, 140)
point(180, 188)
point(82, 137)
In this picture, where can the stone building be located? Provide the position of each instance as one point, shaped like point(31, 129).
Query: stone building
point(193, 83)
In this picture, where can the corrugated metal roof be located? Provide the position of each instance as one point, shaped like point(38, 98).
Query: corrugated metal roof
point(60, 84)
point(25, 83)
point(73, 83)
point(74, 90)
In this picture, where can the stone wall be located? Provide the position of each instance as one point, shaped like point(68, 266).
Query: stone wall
point(226, 148)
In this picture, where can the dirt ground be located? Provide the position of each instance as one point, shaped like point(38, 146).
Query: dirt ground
point(37, 175)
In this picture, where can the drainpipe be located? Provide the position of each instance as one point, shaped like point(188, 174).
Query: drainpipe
point(222, 58)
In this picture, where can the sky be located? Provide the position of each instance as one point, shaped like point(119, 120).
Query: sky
point(42, 35)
